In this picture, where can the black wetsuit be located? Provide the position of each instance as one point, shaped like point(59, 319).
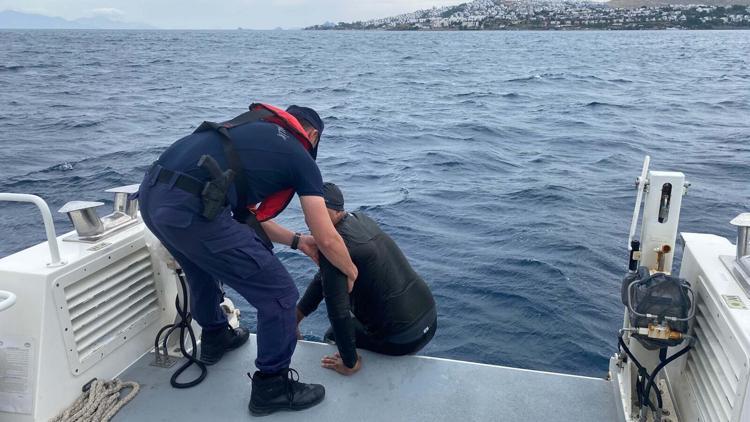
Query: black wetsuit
point(394, 311)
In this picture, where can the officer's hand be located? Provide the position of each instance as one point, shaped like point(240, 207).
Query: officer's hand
point(337, 364)
point(308, 246)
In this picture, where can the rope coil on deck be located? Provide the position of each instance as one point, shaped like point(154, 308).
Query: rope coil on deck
point(99, 403)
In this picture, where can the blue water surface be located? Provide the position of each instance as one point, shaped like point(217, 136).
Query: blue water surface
point(501, 162)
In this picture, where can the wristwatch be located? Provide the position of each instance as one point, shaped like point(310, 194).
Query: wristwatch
point(295, 240)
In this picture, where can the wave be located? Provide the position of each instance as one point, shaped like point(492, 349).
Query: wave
point(163, 88)
point(475, 94)
point(524, 78)
point(539, 76)
point(600, 104)
point(611, 159)
point(398, 198)
point(734, 104)
point(18, 67)
point(71, 123)
point(11, 68)
point(94, 162)
point(65, 166)
point(547, 194)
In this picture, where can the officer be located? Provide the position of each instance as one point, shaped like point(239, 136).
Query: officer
point(192, 198)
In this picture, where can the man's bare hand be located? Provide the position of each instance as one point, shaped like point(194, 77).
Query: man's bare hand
point(337, 364)
point(308, 246)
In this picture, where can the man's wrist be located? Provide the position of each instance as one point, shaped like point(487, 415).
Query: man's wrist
point(357, 365)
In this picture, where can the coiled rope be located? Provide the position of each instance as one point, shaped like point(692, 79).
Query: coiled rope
point(99, 402)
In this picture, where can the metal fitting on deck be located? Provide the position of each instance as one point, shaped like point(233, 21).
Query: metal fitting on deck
point(742, 222)
point(84, 217)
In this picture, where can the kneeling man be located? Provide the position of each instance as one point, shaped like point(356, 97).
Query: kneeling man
point(393, 309)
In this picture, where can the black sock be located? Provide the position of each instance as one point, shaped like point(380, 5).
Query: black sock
point(214, 331)
point(267, 375)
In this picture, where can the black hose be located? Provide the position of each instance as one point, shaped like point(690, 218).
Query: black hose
point(628, 352)
point(644, 393)
point(642, 376)
point(184, 325)
point(658, 368)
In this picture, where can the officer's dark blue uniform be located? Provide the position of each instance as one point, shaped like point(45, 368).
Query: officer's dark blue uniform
point(222, 249)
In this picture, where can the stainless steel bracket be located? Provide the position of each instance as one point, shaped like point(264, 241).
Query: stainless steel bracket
point(740, 270)
point(163, 361)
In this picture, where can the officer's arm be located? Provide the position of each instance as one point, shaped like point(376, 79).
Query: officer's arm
point(327, 238)
point(277, 233)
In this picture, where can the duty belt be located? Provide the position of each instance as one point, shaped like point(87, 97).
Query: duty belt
point(183, 182)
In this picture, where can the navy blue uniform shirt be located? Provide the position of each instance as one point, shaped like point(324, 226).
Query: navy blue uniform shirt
point(273, 160)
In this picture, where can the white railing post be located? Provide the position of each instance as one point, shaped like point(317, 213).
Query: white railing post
point(7, 299)
point(49, 225)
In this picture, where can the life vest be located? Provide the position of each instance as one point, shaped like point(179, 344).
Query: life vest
point(275, 203)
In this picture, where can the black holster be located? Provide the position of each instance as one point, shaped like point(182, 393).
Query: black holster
point(214, 194)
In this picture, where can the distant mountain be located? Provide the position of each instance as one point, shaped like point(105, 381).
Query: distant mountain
point(10, 19)
point(632, 4)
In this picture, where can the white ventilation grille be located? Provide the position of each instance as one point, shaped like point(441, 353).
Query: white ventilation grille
point(716, 366)
point(104, 302)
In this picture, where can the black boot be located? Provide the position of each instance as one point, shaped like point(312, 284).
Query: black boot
point(215, 342)
point(282, 391)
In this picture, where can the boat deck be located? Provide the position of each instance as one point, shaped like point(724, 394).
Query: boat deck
point(414, 388)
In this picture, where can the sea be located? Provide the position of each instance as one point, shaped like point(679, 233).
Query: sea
point(502, 163)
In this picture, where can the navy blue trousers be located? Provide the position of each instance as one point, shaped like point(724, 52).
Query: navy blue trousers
point(224, 250)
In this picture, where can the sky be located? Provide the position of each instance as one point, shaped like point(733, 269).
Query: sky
point(224, 14)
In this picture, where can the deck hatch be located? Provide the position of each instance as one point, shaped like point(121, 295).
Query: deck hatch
point(716, 365)
point(104, 302)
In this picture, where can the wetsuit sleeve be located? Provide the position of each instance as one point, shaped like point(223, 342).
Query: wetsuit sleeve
point(337, 304)
point(307, 179)
point(312, 297)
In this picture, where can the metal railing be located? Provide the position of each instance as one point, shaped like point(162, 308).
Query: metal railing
point(49, 225)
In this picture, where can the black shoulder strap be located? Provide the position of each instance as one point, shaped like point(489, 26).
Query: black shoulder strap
point(253, 223)
point(241, 184)
point(240, 212)
point(248, 117)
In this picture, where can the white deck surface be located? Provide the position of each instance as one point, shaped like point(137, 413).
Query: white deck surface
point(386, 389)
